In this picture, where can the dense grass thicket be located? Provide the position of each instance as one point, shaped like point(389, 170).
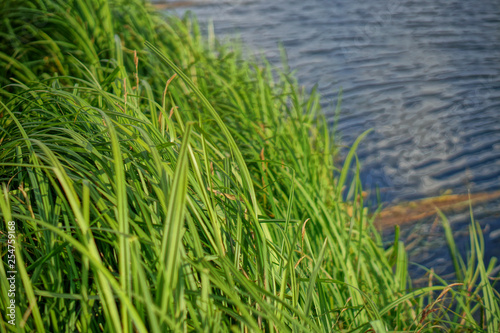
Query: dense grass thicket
point(161, 182)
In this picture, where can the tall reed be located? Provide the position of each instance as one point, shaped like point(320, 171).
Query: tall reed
point(179, 186)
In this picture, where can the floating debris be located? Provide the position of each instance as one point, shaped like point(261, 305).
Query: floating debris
point(419, 209)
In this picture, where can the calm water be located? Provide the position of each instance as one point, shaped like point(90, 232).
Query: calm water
point(425, 75)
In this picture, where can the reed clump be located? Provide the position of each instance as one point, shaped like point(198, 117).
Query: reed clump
point(161, 181)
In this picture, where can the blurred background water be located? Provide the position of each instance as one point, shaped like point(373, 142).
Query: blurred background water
point(424, 75)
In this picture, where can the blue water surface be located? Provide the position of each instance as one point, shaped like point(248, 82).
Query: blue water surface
point(424, 75)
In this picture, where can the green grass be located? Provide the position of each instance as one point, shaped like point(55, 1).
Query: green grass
point(162, 182)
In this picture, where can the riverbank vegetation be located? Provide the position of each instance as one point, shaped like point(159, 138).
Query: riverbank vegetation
point(160, 181)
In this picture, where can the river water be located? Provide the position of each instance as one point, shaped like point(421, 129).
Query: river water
point(424, 75)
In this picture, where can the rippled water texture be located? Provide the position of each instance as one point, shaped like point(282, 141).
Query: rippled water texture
point(425, 75)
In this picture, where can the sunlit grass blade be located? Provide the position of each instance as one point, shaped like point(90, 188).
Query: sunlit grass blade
point(174, 222)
